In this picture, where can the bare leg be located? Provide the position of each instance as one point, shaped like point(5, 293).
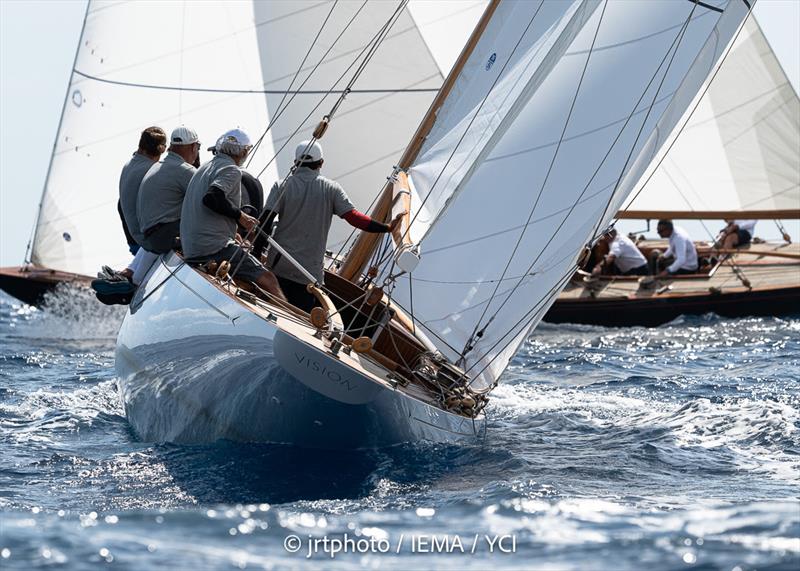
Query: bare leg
point(731, 241)
point(269, 283)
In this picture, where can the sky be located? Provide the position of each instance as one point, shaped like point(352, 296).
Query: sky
point(38, 39)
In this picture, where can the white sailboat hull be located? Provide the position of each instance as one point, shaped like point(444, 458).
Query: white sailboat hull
point(196, 365)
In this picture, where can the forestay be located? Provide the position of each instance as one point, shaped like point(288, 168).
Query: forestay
point(378, 117)
point(515, 179)
point(141, 64)
point(739, 149)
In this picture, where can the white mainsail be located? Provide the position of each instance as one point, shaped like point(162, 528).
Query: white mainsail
point(514, 180)
point(216, 65)
point(739, 149)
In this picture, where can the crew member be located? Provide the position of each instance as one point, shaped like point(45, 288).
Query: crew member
point(212, 209)
point(113, 287)
point(304, 207)
point(737, 233)
point(162, 190)
point(681, 255)
point(623, 258)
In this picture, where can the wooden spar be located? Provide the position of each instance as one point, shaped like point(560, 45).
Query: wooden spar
point(367, 242)
point(401, 204)
point(785, 214)
point(767, 254)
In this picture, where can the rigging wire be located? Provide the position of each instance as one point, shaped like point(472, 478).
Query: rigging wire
point(279, 108)
point(369, 50)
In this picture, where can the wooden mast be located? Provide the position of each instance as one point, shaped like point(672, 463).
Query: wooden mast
point(367, 242)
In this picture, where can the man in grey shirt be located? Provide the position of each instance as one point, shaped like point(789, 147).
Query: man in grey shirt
point(152, 143)
point(162, 190)
point(304, 207)
point(212, 208)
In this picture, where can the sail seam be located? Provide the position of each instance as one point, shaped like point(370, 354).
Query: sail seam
point(252, 91)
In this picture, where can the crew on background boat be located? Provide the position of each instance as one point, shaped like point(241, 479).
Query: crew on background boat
point(737, 233)
point(162, 190)
point(623, 258)
point(304, 207)
point(212, 209)
point(681, 255)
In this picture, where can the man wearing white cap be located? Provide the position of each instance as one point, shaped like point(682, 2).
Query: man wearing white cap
point(162, 190)
point(304, 207)
point(212, 208)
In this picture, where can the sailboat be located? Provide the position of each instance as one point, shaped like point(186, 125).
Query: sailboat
point(217, 64)
point(737, 157)
point(412, 332)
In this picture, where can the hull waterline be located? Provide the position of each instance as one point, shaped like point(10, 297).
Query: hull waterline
point(197, 365)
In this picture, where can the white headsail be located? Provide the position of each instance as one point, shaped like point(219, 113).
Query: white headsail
point(739, 149)
point(557, 113)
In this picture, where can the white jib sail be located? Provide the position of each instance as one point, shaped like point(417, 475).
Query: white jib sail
point(498, 245)
point(739, 149)
point(379, 116)
point(141, 64)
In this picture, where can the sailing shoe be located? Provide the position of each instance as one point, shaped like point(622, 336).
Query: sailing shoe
point(113, 286)
point(115, 299)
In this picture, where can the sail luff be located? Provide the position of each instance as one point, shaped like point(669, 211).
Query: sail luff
point(33, 258)
point(366, 242)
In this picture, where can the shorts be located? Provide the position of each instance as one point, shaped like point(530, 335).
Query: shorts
point(297, 294)
point(744, 237)
point(161, 237)
point(249, 270)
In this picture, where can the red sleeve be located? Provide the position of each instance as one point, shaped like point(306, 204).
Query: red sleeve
point(357, 219)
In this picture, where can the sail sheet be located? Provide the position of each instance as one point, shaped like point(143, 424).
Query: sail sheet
point(379, 115)
point(739, 149)
point(141, 64)
point(519, 178)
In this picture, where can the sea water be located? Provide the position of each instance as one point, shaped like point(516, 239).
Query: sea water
point(675, 447)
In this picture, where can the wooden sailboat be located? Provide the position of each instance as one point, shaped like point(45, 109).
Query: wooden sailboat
point(412, 334)
point(737, 157)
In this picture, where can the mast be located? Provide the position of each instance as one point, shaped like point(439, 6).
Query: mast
point(366, 243)
point(32, 242)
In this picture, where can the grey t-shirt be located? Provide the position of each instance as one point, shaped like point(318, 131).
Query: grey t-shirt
point(132, 174)
point(305, 207)
point(203, 231)
point(162, 190)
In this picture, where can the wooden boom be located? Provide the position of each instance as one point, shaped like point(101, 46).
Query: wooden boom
point(785, 214)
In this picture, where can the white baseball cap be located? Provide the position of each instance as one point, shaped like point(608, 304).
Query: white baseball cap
point(183, 136)
point(308, 154)
point(235, 137)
